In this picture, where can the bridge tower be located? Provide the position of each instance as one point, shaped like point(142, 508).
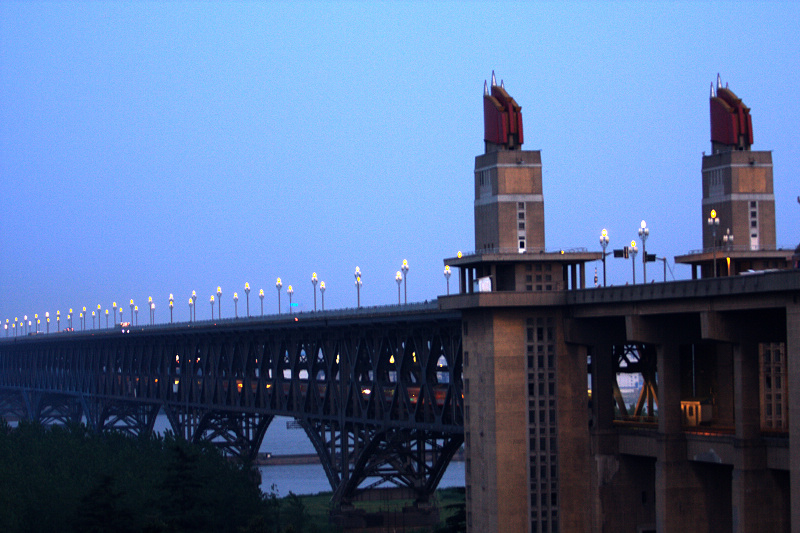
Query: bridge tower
point(524, 388)
point(738, 192)
point(509, 207)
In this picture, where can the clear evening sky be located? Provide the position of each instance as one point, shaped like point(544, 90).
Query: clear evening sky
point(149, 148)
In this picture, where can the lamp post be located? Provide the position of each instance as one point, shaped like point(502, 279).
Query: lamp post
point(191, 305)
point(114, 310)
point(727, 239)
point(604, 245)
point(314, 283)
point(399, 279)
point(358, 287)
point(99, 314)
point(211, 301)
point(290, 292)
point(171, 305)
point(152, 313)
point(404, 268)
point(131, 310)
point(261, 295)
point(36, 321)
point(80, 317)
point(447, 274)
point(98, 320)
point(84, 316)
point(6, 327)
point(322, 293)
point(219, 303)
point(713, 223)
point(247, 294)
point(136, 310)
point(58, 321)
point(152, 309)
point(69, 318)
point(278, 285)
point(194, 306)
point(120, 315)
point(235, 305)
point(644, 232)
point(632, 251)
point(47, 320)
point(106, 318)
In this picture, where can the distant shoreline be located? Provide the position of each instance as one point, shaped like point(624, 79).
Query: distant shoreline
point(268, 459)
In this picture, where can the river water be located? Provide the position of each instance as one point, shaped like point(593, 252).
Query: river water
point(309, 478)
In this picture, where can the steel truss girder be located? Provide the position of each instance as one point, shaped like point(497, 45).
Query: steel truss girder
point(380, 398)
point(357, 458)
point(632, 359)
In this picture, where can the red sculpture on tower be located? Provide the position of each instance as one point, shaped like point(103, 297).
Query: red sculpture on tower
point(502, 118)
point(731, 125)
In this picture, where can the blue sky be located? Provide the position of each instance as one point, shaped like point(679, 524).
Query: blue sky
point(149, 148)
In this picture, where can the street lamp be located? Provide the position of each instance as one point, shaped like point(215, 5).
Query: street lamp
point(278, 285)
point(47, 317)
point(120, 314)
point(194, 306)
point(80, 316)
point(191, 305)
point(131, 310)
point(106, 318)
point(314, 283)
point(604, 245)
point(247, 292)
point(358, 287)
point(211, 301)
point(58, 321)
point(235, 305)
point(36, 318)
point(447, 274)
point(632, 251)
point(84, 316)
point(69, 318)
point(404, 268)
point(219, 303)
point(727, 239)
point(114, 310)
point(171, 305)
point(261, 295)
point(322, 293)
point(98, 320)
point(136, 309)
point(713, 222)
point(399, 279)
point(290, 292)
point(152, 313)
point(150, 304)
point(644, 232)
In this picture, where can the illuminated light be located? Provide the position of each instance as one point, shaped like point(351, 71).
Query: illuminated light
point(391, 360)
point(414, 356)
point(604, 233)
point(713, 213)
point(458, 255)
point(633, 244)
point(337, 358)
point(366, 391)
point(177, 381)
point(177, 358)
point(562, 252)
point(268, 385)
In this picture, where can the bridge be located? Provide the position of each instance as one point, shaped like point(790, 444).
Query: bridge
point(378, 391)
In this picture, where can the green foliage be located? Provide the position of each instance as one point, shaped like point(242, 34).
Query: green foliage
point(69, 479)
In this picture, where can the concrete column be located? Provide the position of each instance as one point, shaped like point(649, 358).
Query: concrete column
point(678, 488)
point(583, 275)
point(750, 488)
point(603, 393)
point(793, 368)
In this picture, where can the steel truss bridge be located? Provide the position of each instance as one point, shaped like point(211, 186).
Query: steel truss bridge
point(378, 391)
